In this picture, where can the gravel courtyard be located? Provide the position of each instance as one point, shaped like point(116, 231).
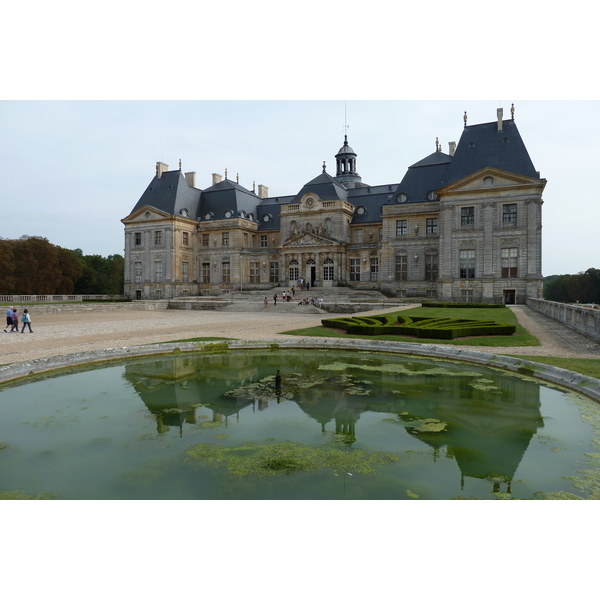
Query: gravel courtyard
point(65, 333)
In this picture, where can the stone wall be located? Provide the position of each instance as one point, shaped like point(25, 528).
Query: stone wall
point(582, 319)
point(45, 309)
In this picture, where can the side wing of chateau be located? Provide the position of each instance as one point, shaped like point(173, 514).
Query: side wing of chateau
point(460, 227)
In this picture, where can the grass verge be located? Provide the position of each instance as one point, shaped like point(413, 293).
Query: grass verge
point(585, 366)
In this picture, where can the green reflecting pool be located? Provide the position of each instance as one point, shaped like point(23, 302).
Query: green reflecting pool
point(296, 425)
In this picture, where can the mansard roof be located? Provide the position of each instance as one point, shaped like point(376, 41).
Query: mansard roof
point(171, 194)
point(484, 145)
point(227, 197)
point(325, 186)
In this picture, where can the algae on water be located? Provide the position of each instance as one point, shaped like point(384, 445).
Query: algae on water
point(287, 458)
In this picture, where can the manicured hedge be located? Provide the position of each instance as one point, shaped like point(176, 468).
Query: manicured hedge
point(421, 327)
point(460, 305)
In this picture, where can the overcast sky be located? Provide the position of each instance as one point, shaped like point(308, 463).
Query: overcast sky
point(77, 167)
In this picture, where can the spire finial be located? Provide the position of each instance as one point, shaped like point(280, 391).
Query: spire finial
point(465, 118)
point(512, 111)
point(237, 177)
point(180, 164)
point(254, 186)
point(225, 173)
point(323, 166)
point(437, 145)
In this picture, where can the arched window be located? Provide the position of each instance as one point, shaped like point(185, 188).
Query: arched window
point(294, 272)
point(328, 270)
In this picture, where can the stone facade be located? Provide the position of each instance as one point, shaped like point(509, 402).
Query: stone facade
point(463, 226)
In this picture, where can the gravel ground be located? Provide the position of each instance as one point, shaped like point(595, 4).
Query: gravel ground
point(64, 333)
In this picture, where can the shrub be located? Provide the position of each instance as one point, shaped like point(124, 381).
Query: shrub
point(422, 327)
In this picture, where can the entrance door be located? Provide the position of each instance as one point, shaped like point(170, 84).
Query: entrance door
point(138, 294)
point(509, 296)
point(313, 276)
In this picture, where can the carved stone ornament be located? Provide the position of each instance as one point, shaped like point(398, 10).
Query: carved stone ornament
point(468, 244)
point(308, 239)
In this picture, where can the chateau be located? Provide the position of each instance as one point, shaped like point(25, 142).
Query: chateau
point(462, 226)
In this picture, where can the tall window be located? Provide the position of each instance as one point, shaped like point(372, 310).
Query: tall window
point(157, 238)
point(374, 269)
point(263, 241)
point(158, 271)
point(138, 272)
point(274, 272)
point(467, 215)
point(205, 272)
point(355, 269)
point(431, 267)
point(466, 295)
point(509, 213)
point(225, 238)
point(328, 270)
point(245, 240)
point(184, 272)
point(431, 226)
point(509, 259)
point(226, 272)
point(254, 272)
point(186, 238)
point(401, 267)
point(358, 236)
point(401, 227)
point(205, 239)
point(294, 272)
point(137, 237)
point(254, 241)
point(467, 264)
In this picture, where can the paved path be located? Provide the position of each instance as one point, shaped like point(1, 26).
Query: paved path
point(64, 333)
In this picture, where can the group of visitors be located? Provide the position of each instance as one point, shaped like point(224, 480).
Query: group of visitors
point(312, 302)
point(12, 320)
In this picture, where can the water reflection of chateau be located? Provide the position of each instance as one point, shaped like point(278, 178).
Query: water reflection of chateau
point(488, 433)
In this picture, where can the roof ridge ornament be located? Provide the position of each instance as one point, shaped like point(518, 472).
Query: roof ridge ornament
point(465, 118)
point(225, 173)
point(438, 148)
point(512, 111)
point(324, 167)
point(180, 164)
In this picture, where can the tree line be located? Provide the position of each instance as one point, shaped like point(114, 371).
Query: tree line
point(583, 287)
point(32, 265)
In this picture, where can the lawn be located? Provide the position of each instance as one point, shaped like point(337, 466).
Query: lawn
point(502, 315)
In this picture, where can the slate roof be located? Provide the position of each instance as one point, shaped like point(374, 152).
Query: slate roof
point(479, 146)
point(483, 146)
point(226, 196)
point(324, 186)
point(171, 194)
point(271, 208)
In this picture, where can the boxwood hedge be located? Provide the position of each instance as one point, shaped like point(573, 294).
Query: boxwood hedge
point(420, 327)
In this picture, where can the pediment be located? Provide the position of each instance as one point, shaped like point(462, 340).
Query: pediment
point(489, 180)
point(308, 239)
point(144, 214)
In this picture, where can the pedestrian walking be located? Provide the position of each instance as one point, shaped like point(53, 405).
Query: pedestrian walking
point(15, 321)
point(9, 312)
point(275, 299)
point(266, 302)
point(26, 320)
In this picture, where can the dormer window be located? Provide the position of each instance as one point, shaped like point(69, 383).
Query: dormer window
point(361, 210)
point(401, 197)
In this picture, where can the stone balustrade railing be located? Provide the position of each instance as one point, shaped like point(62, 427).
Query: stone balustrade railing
point(583, 319)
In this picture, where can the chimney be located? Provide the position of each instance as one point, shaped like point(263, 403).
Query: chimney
point(451, 148)
point(191, 178)
point(161, 168)
point(216, 178)
point(499, 112)
point(263, 191)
